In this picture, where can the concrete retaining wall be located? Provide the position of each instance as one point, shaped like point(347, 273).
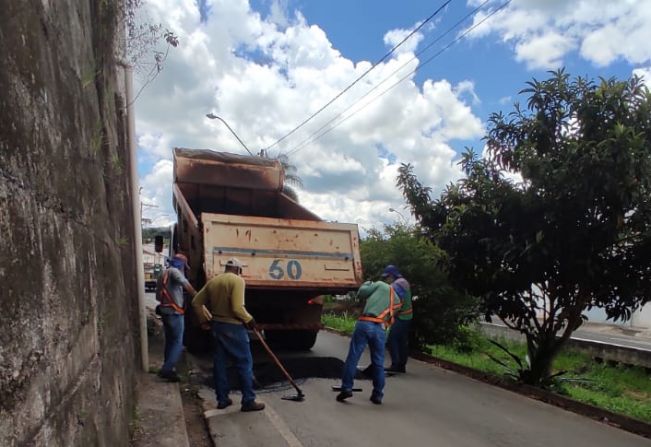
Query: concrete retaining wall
point(69, 305)
point(604, 351)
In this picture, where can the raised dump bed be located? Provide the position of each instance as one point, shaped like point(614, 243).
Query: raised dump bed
point(232, 205)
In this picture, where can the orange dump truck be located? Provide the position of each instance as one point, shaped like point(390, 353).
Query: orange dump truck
point(233, 206)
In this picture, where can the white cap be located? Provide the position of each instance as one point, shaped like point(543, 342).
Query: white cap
point(234, 262)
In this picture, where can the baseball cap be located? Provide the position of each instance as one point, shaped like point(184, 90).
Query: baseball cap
point(234, 262)
point(391, 270)
point(179, 260)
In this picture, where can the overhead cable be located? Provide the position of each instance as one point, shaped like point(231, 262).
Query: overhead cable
point(423, 50)
point(308, 119)
point(407, 76)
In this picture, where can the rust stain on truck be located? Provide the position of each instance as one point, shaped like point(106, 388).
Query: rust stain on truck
point(233, 205)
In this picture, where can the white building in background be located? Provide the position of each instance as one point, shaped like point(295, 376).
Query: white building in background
point(150, 257)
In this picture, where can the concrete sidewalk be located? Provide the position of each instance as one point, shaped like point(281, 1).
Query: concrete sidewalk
point(160, 421)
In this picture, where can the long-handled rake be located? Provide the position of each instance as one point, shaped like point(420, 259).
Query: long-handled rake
point(299, 397)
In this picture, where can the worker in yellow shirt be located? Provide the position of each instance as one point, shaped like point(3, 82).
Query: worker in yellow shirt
point(223, 295)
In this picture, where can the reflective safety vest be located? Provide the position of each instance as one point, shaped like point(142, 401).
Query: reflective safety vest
point(389, 311)
point(409, 311)
point(166, 299)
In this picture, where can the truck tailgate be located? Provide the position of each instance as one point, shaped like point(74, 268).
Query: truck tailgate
point(284, 253)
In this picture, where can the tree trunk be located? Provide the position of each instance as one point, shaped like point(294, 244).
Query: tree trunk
point(540, 358)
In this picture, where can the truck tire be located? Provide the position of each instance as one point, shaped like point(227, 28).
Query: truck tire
point(299, 340)
point(305, 340)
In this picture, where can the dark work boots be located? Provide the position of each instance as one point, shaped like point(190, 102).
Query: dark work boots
point(341, 397)
point(253, 406)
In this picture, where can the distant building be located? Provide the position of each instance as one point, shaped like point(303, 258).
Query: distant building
point(150, 257)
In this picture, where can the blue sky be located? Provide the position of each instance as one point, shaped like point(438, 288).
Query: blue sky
point(266, 65)
point(356, 29)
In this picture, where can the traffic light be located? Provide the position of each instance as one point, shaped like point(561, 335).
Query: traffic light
point(158, 244)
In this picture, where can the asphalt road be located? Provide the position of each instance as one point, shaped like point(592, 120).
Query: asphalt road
point(426, 407)
point(629, 341)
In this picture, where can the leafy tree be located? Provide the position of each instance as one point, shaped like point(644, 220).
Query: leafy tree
point(291, 173)
point(147, 43)
point(574, 233)
point(440, 309)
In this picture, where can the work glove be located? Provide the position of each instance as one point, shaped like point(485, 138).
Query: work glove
point(250, 324)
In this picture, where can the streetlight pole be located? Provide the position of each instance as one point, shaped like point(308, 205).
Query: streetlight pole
point(212, 116)
point(393, 210)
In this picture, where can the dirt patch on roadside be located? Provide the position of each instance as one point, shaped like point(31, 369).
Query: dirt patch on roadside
point(198, 434)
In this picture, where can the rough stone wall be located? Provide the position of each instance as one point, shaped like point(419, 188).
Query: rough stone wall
point(69, 314)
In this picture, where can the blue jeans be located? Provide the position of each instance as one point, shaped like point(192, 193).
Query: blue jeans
point(372, 334)
point(398, 343)
point(173, 325)
point(232, 340)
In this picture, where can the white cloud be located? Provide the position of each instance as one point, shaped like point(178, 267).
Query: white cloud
point(395, 36)
point(543, 51)
point(644, 73)
point(545, 31)
point(278, 13)
point(266, 75)
point(157, 193)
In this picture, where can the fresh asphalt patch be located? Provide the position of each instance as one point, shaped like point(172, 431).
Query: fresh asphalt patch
point(267, 375)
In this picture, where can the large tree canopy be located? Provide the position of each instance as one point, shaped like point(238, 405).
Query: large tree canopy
point(574, 233)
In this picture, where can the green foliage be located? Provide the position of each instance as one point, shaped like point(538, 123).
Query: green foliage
point(292, 179)
point(440, 310)
point(149, 233)
point(343, 323)
point(621, 389)
point(575, 233)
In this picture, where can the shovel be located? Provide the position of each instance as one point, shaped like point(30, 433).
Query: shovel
point(299, 397)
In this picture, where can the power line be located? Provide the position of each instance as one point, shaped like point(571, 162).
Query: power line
point(308, 119)
point(462, 36)
point(423, 50)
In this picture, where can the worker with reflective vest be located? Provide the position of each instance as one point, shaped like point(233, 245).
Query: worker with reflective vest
point(398, 340)
point(169, 292)
point(378, 314)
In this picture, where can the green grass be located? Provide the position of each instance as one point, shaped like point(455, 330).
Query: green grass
point(620, 389)
point(344, 323)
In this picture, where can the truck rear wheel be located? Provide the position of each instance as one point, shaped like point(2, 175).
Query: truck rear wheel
point(298, 340)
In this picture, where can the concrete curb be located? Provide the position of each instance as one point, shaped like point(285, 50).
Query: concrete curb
point(161, 421)
point(159, 406)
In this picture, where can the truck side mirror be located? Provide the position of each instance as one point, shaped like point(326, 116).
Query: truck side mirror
point(158, 244)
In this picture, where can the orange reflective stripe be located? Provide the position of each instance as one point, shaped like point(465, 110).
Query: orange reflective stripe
point(408, 312)
point(391, 305)
point(389, 310)
point(371, 319)
point(166, 295)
